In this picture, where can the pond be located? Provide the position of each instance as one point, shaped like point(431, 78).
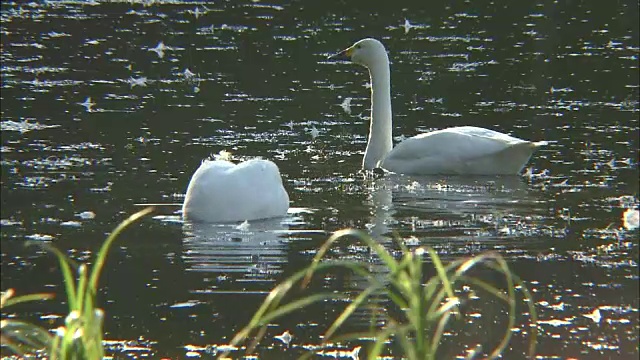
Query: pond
point(110, 106)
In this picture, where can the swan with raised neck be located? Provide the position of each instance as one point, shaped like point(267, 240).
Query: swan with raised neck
point(465, 150)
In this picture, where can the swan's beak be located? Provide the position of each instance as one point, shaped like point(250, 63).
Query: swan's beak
point(343, 55)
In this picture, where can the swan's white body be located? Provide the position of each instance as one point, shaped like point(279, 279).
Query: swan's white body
point(457, 150)
point(221, 191)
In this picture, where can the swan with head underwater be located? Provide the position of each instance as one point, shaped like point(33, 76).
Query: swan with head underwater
point(222, 192)
point(463, 150)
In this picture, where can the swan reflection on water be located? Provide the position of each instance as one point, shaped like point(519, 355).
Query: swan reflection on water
point(429, 203)
point(249, 251)
point(471, 212)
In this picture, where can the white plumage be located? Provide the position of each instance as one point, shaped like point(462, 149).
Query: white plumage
point(221, 191)
point(464, 150)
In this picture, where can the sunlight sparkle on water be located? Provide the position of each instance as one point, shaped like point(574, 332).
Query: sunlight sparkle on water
point(24, 126)
point(631, 219)
point(557, 322)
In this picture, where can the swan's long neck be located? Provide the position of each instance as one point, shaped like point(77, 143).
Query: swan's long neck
point(380, 129)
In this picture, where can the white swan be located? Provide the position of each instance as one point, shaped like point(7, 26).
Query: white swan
point(221, 191)
point(460, 150)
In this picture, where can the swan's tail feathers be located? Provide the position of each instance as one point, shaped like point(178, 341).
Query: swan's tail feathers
point(538, 144)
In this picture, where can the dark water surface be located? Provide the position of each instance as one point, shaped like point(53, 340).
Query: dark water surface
point(98, 118)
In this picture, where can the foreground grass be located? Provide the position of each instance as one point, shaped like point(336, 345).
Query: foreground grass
point(427, 307)
point(81, 335)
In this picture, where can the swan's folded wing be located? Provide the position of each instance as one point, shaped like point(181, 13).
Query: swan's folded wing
point(466, 142)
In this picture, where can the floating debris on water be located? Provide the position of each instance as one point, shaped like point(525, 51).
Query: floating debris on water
point(223, 155)
point(314, 132)
point(190, 303)
point(191, 78)
point(88, 104)
point(407, 26)
point(141, 81)
point(595, 315)
point(529, 173)
point(285, 337)
point(631, 219)
point(412, 241)
point(352, 354)
point(562, 90)
point(197, 12)
point(346, 105)
point(290, 125)
point(86, 215)
point(159, 49)
point(244, 226)
point(188, 74)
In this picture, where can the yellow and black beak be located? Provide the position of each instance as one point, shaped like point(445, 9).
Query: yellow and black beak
point(343, 55)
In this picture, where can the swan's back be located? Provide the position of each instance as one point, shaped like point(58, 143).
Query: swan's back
point(460, 150)
point(220, 191)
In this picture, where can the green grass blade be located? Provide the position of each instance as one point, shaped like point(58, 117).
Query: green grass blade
point(411, 351)
point(24, 336)
point(382, 337)
point(256, 339)
point(497, 263)
point(532, 314)
point(530, 304)
point(16, 349)
point(417, 304)
point(102, 254)
point(494, 291)
point(435, 340)
point(426, 308)
point(26, 298)
point(82, 284)
point(297, 305)
point(65, 266)
point(54, 349)
point(440, 269)
point(380, 250)
point(396, 299)
point(272, 300)
point(355, 304)
point(433, 284)
point(504, 269)
point(266, 317)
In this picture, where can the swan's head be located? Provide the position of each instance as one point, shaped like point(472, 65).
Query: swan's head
point(367, 52)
